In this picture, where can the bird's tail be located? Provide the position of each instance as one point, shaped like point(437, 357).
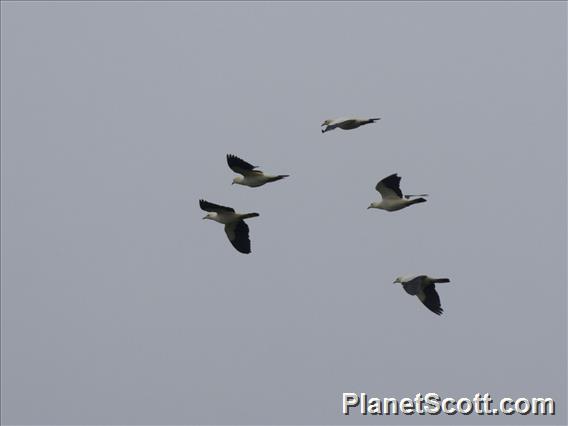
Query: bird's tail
point(415, 195)
point(417, 200)
point(249, 215)
point(440, 280)
point(275, 178)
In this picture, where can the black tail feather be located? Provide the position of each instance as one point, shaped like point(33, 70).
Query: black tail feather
point(419, 200)
point(249, 215)
point(275, 178)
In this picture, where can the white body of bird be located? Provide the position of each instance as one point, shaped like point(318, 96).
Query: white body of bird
point(255, 180)
point(235, 227)
point(250, 176)
point(392, 198)
point(228, 218)
point(392, 205)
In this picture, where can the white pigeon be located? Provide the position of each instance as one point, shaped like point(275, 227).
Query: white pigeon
point(392, 198)
point(346, 123)
point(424, 287)
point(235, 227)
point(250, 176)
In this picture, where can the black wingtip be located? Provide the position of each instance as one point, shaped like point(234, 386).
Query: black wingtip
point(438, 310)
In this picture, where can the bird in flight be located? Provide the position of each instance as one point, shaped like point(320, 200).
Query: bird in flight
point(235, 227)
point(346, 123)
point(424, 287)
point(392, 198)
point(250, 176)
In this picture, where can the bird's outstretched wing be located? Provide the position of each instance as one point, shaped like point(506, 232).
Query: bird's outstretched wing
point(238, 233)
point(210, 207)
point(389, 187)
point(239, 166)
point(349, 123)
point(412, 286)
point(429, 296)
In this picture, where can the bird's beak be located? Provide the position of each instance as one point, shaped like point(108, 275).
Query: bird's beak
point(204, 217)
point(368, 207)
point(394, 282)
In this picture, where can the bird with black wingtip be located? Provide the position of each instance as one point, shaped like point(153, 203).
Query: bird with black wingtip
point(235, 227)
point(392, 198)
point(423, 287)
point(251, 176)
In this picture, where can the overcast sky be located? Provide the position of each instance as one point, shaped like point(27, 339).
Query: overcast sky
point(121, 306)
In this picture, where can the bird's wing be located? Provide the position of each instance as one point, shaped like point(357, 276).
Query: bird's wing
point(239, 166)
point(345, 120)
point(336, 122)
point(210, 207)
point(412, 286)
point(389, 187)
point(238, 233)
point(429, 296)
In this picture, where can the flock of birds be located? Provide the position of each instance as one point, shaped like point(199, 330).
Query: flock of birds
point(392, 199)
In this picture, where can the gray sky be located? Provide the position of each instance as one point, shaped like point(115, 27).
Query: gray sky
point(121, 306)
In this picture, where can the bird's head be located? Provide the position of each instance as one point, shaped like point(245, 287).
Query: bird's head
point(326, 122)
point(398, 280)
point(370, 206)
point(208, 216)
point(237, 179)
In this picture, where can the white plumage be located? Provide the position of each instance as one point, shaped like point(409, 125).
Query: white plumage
point(235, 227)
point(392, 198)
point(250, 176)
